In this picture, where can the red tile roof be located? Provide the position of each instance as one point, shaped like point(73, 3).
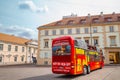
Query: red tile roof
point(12, 39)
point(114, 17)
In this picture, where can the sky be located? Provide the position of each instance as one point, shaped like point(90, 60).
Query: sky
point(23, 17)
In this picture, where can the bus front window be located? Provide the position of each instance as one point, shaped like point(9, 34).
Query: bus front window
point(61, 50)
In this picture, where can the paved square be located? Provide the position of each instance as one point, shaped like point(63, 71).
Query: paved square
point(44, 73)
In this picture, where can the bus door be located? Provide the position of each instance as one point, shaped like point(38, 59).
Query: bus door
point(79, 60)
point(92, 60)
point(78, 64)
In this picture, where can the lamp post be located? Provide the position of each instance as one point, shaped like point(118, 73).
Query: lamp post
point(90, 27)
point(91, 33)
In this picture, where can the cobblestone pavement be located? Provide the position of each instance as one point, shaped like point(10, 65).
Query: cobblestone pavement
point(44, 73)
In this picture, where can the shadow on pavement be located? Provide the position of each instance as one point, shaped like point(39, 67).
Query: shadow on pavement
point(53, 77)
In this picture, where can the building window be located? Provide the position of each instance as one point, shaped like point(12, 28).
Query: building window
point(46, 32)
point(29, 49)
point(118, 18)
point(34, 50)
point(16, 48)
point(22, 58)
point(0, 59)
point(1, 47)
point(46, 55)
point(95, 30)
point(111, 29)
point(46, 43)
point(70, 22)
point(9, 47)
point(86, 30)
point(46, 62)
point(69, 31)
point(87, 41)
point(108, 19)
point(96, 20)
point(15, 59)
point(54, 32)
point(77, 30)
point(95, 41)
point(112, 41)
point(23, 49)
point(61, 31)
point(83, 21)
point(59, 23)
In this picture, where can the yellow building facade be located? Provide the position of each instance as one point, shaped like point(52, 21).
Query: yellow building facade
point(102, 30)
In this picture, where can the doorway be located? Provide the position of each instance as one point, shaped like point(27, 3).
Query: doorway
point(0, 59)
point(114, 58)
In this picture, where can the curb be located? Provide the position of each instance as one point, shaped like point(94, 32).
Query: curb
point(112, 64)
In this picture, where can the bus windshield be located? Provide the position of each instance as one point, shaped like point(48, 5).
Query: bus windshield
point(61, 50)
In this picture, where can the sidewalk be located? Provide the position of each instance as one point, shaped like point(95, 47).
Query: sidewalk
point(24, 65)
point(112, 64)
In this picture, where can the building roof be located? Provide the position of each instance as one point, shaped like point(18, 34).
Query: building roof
point(82, 20)
point(12, 39)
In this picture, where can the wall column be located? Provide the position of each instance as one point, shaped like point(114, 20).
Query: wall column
point(38, 52)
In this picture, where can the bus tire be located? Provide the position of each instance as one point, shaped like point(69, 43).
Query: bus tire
point(88, 69)
point(84, 70)
point(100, 66)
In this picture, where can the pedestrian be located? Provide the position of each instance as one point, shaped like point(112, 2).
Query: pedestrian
point(34, 60)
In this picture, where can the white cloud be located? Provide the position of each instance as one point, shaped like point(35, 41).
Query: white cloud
point(19, 31)
point(30, 5)
point(43, 9)
point(83, 7)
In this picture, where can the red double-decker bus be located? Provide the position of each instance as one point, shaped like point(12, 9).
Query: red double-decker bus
point(72, 56)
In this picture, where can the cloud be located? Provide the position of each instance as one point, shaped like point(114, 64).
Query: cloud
point(29, 5)
point(19, 31)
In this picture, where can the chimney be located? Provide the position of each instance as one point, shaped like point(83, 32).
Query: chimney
point(88, 14)
point(70, 16)
point(113, 13)
point(101, 13)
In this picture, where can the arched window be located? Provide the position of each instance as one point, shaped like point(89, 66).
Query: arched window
point(119, 18)
point(95, 20)
point(59, 23)
point(83, 21)
point(108, 19)
point(70, 22)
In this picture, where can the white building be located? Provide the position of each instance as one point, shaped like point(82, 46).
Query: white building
point(104, 29)
point(16, 50)
point(32, 47)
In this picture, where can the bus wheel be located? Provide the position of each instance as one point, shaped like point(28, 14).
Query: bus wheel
point(100, 66)
point(85, 70)
point(88, 69)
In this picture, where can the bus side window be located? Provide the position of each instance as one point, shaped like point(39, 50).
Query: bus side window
point(97, 58)
point(92, 57)
point(76, 43)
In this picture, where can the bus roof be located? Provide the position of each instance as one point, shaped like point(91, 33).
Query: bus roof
point(63, 37)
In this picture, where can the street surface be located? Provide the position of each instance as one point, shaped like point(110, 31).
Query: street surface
point(32, 72)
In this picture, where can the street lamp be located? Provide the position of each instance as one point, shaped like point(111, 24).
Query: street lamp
point(90, 27)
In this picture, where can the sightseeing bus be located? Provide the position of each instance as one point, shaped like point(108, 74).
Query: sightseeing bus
point(72, 56)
